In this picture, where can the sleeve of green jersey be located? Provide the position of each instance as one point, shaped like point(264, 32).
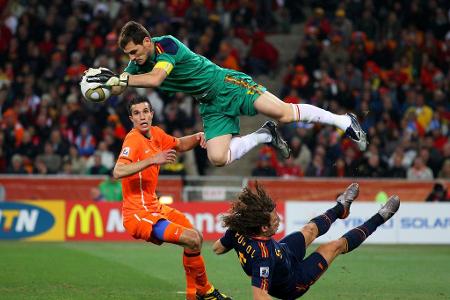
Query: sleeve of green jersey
point(168, 50)
point(131, 68)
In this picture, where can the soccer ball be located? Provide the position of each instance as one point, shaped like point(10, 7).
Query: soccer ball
point(92, 91)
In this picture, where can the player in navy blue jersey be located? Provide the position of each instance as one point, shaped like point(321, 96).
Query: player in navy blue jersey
point(280, 269)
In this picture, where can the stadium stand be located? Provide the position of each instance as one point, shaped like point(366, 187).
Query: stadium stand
point(390, 68)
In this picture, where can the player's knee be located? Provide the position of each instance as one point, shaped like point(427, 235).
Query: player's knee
point(310, 232)
point(195, 241)
point(201, 237)
point(218, 159)
point(286, 114)
point(335, 247)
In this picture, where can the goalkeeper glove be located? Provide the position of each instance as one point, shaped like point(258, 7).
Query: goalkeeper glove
point(108, 78)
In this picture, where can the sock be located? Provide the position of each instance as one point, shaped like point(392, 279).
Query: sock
point(313, 114)
point(194, 263)
point(325, 220)
point(191, 290)
point(240, 145)
point(359, 234)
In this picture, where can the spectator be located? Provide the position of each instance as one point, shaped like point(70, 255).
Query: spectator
point(40, 167)
point(111, 189)
point(108, 159)
point(368, 24)
point(85, 141)
point(226, 58)
point(263, 56)
point(342, 26)
point(445, 170)
point(288, 169)
point(77, 162)
point(339, 169)
point(50, 159)
point(96, 195)
point(98, 168)
point(396, 168)
point(372, 167)
point(317, 167)
point(27, 148)
point(264, 168)
point(60, 145)
point(300, 153)
point(319, 22)
point(12, 128)
point(16, 166)
point(76, 68)
point(439, 194)
point(419, 171)
point(157, 103)
point(335, 54)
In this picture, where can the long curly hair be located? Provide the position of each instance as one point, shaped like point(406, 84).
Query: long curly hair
point(249, 212)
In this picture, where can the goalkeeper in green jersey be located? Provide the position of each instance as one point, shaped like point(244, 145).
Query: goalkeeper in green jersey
point(223, 95)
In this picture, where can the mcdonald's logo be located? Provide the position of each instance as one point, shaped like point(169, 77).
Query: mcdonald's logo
point(85, 214)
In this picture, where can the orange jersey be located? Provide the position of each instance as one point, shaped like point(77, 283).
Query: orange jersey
point(139, 189)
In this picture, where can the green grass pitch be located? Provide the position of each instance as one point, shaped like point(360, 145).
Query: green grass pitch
point(81, 270)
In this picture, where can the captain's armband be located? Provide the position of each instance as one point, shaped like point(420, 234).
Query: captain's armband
point(166, 66)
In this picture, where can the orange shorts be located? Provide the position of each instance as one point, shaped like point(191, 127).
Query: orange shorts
point(140, 224)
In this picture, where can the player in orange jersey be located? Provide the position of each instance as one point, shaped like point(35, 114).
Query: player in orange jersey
point(144, 149)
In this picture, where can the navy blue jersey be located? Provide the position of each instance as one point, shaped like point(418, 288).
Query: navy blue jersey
point(269, 263)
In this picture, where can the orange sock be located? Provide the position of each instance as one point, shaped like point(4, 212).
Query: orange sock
point(191, 290)
point(194, 264)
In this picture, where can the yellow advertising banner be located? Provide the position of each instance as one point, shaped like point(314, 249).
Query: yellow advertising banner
point(33, 220)
point(58, 211)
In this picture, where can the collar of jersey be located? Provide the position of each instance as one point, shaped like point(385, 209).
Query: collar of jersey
point(260, 238)
point(153, 58)
point(139, 132)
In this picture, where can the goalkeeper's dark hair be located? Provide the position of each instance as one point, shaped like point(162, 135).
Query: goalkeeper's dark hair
point(132, 32)
point(137, 100)
point(249, 212)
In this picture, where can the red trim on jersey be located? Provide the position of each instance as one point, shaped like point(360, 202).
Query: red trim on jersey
point(159, 49)
point(264, 284)
point(264, 250)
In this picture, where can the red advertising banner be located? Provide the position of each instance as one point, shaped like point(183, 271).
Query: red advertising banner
point(316, 189)
point(205, 216)
point(98, 221)
point(71, 188)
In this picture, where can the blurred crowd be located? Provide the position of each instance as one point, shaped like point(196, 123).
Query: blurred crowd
point(45, 47)
point(387, 61)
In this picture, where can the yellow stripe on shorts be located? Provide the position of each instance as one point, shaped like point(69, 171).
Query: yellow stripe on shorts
point(251, 88)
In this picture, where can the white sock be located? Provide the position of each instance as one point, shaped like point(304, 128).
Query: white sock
point(313, 114)
point(242, 144)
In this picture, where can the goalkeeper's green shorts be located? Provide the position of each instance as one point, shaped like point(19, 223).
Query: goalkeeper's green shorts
point(236, 97)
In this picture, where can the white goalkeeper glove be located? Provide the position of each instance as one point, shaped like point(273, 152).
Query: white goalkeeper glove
point(106, 78)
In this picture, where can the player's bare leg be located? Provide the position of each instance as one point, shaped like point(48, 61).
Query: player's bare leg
point(191, 239)
point(218, 149)
point(271, 106)
point(321, 224)
point(355, 237)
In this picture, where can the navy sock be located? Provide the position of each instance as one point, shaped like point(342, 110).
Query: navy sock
point(324, 221)
point(358, 235)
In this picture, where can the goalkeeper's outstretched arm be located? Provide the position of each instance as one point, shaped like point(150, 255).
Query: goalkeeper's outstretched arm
point(148, 80)
point(118, 83)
